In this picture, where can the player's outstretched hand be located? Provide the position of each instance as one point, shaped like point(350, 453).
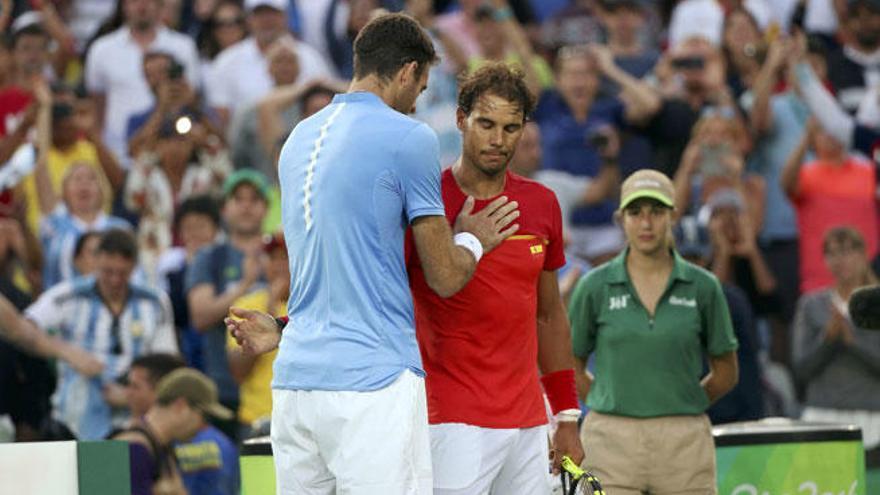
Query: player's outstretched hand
point(82, 361)
point(492, 224)
point(256, 332)
point(566, 442)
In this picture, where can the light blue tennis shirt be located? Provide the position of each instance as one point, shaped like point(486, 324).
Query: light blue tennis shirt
point(353, 177)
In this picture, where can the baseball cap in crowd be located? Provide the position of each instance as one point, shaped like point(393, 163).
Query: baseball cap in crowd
point(26, 20)
point(723, 198)
point(647, 183)
point(280, 5)
point(195, 387)
point(249, 176)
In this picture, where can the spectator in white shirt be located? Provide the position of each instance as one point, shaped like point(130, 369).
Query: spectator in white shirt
point(114, 73)
point(240, 74)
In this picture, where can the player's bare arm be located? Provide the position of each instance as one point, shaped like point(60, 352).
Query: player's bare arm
point(448, 266)
point(555, 358)
point(24, 334)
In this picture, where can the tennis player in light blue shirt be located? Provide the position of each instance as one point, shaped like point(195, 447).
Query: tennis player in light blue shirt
point(353, 177)
point(349, 410)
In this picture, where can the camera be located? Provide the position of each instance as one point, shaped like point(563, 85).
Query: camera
point(597, 139)
point(175, 70)
point(712, 158)
point(688, 63)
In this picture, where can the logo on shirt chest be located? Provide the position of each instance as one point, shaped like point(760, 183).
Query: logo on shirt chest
point(618, 302)
point(682, 301)
point(137, 329)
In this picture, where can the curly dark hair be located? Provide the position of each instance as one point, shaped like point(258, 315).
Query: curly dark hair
point(499, 79)
point(389, 42)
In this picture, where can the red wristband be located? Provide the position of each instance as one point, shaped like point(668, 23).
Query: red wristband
point(560, 389)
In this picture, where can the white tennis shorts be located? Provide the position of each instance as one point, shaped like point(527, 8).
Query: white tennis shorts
point(471, 460)
point(353, 443)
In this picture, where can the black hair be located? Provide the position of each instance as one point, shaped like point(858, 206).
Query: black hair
point(197, 205)
point(389, 42)
point(60, 111)
point(158, 365)
point(119, 241)
point(82, 240)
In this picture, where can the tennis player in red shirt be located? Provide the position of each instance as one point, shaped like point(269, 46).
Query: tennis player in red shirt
point(483, 347)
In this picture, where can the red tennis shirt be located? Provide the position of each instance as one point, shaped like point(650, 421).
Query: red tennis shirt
point(480, 346)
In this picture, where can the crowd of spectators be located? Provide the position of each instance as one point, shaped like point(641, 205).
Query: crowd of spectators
point(139, 196)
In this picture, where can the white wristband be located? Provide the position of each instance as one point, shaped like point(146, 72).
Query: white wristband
point(568, 415)
point(470, 242)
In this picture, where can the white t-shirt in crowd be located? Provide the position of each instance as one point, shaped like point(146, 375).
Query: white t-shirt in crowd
point(705, 18)
point(240, 74)
point(114, 68)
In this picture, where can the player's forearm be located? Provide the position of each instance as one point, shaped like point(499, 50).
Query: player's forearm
point(447, 264)
point(11, 324)
point(554, 343)
point(23, 334)
point(723, 376)
point(448, 278)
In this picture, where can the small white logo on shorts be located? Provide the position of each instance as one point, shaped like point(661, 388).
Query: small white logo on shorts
point(618, 302)
point(681, 301)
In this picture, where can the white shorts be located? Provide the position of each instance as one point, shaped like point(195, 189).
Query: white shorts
point(470, 460)
point(357, 443)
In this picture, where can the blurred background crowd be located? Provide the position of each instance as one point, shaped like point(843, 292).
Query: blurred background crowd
point(139, 199)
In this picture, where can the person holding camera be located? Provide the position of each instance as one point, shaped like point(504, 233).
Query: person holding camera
point(714, 159)
point(113, 69)
point(570, 118)
point(185, 158)
point(173, 95)
point(691, 77)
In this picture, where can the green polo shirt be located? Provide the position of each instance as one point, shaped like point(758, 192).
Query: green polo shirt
point(647, 367)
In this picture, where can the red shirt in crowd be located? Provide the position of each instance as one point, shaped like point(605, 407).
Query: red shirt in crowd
point(480, 347)
point(13, 103)
point(831, 196)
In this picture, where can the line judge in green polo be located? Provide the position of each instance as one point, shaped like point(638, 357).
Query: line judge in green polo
point(650, 317)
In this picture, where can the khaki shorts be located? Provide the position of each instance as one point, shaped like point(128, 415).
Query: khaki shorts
point(660, 456)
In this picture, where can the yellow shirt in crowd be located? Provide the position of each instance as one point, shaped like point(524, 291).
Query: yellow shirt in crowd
point(255, 393)
point(58, 162)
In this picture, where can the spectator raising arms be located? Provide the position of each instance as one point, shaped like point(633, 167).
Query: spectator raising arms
point(834, 189)
point(78, 209)
point(241, 72)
